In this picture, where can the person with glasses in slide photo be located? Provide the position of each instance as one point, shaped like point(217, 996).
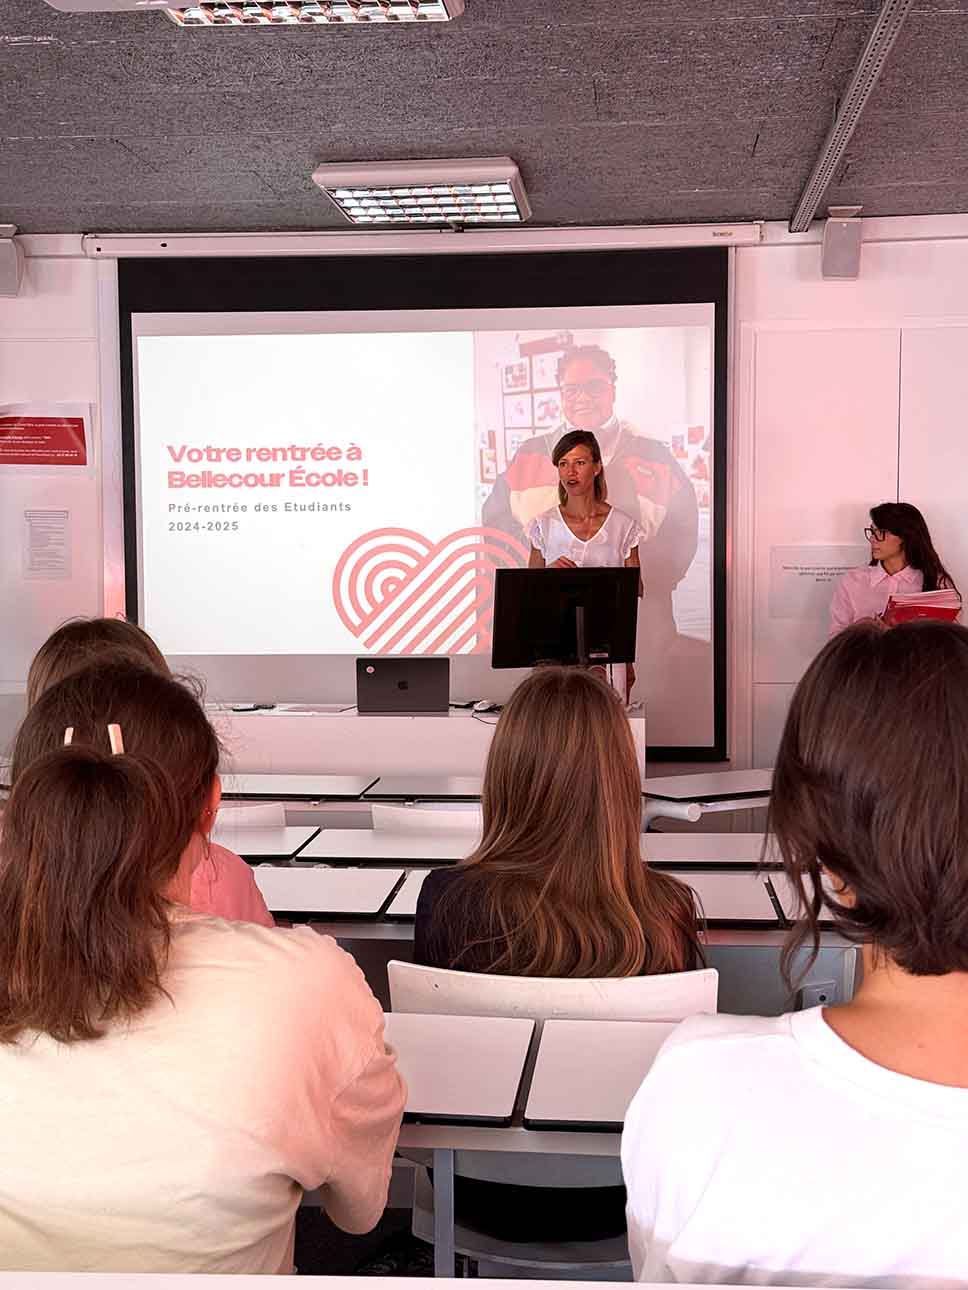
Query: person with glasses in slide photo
point(644, 480)
point(903, 560)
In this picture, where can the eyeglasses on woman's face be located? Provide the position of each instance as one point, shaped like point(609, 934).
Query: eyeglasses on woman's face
point(875, 535)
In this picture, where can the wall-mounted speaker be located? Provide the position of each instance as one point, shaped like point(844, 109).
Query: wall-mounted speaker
point(11, 261)
point(840, 256)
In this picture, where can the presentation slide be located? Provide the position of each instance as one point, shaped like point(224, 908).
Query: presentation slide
point(346, 484)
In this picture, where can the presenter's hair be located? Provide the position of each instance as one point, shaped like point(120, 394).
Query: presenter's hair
point(89, 843)
point(580, 439)
point(558, 877)
point(906, 522)
point(870, 791)
point(601, 358)
point(79, 642)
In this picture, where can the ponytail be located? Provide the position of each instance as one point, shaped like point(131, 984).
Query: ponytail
point(89, 844)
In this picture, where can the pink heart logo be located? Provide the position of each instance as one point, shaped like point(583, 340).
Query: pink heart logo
point(400, 593)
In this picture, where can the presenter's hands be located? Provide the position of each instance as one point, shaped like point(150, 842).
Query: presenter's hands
point(563, 563)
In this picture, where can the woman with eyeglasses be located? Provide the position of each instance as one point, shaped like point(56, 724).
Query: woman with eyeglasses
point(903, 559)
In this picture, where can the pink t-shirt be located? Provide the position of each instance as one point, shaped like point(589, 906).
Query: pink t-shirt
point(223, 885)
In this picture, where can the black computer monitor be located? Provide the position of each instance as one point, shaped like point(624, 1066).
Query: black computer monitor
point(584, 616)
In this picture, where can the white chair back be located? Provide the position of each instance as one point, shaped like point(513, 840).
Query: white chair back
point(452, 818)
point(670, 997)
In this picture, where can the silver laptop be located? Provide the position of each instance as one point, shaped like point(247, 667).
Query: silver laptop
point(402, 685)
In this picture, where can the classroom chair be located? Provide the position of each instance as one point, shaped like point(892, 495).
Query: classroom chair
point(670, 997)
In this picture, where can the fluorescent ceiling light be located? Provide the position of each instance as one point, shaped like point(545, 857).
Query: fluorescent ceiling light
point(379, 194)
point(275, 13)
point(312, 13)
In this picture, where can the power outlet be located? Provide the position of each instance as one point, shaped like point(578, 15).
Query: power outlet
point(818, 994)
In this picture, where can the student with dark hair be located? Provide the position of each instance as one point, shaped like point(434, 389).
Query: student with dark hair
point(222, 883)
point(870, 812)
point(171, 1081)
point(903, 559)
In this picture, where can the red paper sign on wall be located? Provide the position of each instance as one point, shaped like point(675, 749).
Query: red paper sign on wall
point(42, 441)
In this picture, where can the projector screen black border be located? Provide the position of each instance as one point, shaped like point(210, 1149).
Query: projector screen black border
point(496, 280)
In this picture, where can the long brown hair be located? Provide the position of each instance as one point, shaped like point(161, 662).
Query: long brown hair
point(871, 786)
point(81, 641)
point(89, 844)
point(559, 876)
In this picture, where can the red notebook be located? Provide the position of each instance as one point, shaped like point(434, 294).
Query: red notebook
point(906, 606)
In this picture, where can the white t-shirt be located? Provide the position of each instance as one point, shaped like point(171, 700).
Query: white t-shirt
point(766, 1151)
point(609, 548)
point(180, 1142)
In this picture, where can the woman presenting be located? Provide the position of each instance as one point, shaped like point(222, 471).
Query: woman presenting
point(583, 531)
point(903, 559)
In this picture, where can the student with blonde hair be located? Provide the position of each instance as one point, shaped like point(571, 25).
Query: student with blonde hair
point(171, 1081)
point(222, 883)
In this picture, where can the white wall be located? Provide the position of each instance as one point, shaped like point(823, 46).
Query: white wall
point(48, 352)
point(843, 394)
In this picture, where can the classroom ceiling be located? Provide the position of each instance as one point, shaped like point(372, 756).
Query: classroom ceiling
point(616, 111)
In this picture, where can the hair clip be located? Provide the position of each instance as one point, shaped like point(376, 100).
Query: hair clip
point(114, 735)
point(68, 736)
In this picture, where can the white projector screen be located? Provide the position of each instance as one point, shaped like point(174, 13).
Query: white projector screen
point(306, 487)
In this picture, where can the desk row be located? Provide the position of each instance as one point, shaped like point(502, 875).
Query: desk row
point(446, 846)
point(724, 896)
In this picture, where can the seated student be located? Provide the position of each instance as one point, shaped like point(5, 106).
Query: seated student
point(222, 883)
point(827, 1147)
point(557, 887)
point(170, 1081)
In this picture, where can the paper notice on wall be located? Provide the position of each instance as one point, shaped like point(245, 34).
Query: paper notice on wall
point(47, 544)
point(802, 578)
point(34, 435)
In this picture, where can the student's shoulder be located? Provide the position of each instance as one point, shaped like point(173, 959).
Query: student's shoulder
point(707, 1046)
point(437, 882)
point(285, 954)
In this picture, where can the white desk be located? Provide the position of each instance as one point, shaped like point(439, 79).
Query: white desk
point(296, 788)
point(460, 1068)
point(716, 786)
point(404, 903)
point(662, 849)
point(384, 846)
point(388, 846)
point(425, 788)
point(569, 1088)
point(731, 896)
point(342, 892)
point(281, 842)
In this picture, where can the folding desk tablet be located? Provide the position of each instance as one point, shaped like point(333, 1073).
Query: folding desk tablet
point(424, 788)
point(404, 903)
point(787, 898)
point(463, 1070)
point(296, 788)
point(719, 784)
point(281, 842)
point(384, 846)
point(666, 850)
point(339, 892)
point(571, 1087)
point(731, 897)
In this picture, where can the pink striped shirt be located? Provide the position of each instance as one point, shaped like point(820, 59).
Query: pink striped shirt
point(864, 593)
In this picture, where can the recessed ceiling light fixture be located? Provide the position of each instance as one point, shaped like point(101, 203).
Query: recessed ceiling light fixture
point(275, 13)
point(478, 190)
point(313, 13)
